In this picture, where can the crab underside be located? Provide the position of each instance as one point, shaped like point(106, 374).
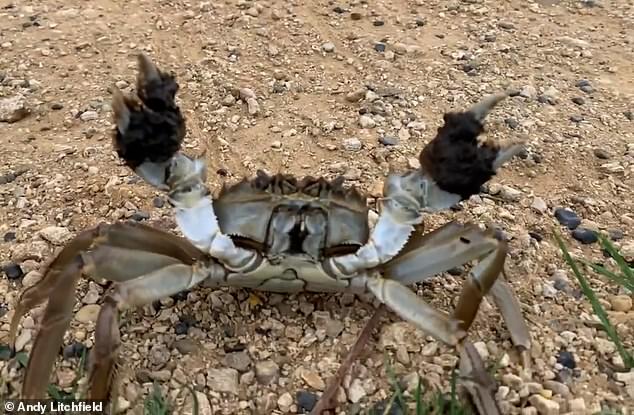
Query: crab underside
point(279, 233)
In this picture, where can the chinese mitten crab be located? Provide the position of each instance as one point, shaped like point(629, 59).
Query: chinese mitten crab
point(274, 233)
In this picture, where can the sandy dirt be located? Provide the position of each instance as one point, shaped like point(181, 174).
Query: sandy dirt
point(305, 61)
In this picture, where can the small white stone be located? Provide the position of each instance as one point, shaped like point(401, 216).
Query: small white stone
point(365, 121)
point(89, 115)
point(56, 235)
point(539, 205)
point(328, 47)
point(356, 391)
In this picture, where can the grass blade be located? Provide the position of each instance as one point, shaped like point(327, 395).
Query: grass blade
point(620, 280)
point(625, 268)
point(628, 360)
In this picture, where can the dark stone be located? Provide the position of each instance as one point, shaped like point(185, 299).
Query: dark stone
point(222, 172)
point(629, 115)
point(490, 38)
point(615, 234)
point(547, 99)
point(564, 376)
point(9, 236)
point(140, 216)
point(181, 328)
point(440, 35)
point(585, 236)
point(537, 158)
point(181, 296)
point(582, 82)
point(356, 16)
point(378, 23)
point(388, 140)
point(578, 100)
point(56, 106)
point(576, 118)
point(3, 311)
point(587, 89)
point(535, 236)
point(13, 271)
point(379, 47)
point(420, 22)
point(602, 154)
point(512, 123)
point(158, 202)
point(7, 178)
point(74, 350)
point(566, 359)
point(456, 271)
point(306, 401)
point(561, 284)
point(567, 218)
point(339, 9)
point(6, 353)
point(143, 376)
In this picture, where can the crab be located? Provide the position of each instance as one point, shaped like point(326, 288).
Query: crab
point(278, 233)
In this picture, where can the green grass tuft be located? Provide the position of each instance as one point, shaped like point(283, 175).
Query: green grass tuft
point(626, 280)
point(437, 403)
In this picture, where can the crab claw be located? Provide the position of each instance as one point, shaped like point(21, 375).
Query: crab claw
point(456, 161)
point(150, 126)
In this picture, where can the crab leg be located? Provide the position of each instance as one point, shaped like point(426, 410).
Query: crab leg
point(140, 291)
point(149, 134)
point(453, 245)
point(157, 257)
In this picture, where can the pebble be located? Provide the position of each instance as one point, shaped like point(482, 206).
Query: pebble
point(528, 91)
point(539, 205)
point(615, 234)
point(313, 380)
point(9, 236)
point(13, 109)
point(56, 235)
point(388, 140)
point(366, 122)
point(544, 406)
point(89, 116)
point(13, 271)
point(267, 372)
point(285, 401)
point(578, 100)
point(185, 346)
point(585, 236)
point(328, 47)
point(558, 388)
point(238, 360)
point(306, 401)
point(602, 153)
point(510, 194)
point(566, 359)
point(621, 303)
point(380, 47)
point(223, 380)
point(567, 218)
point(352, 144)
point(356, 392)
point(74, 350)
point(88, 313)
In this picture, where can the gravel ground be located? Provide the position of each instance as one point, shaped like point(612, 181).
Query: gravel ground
point(353, 88)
